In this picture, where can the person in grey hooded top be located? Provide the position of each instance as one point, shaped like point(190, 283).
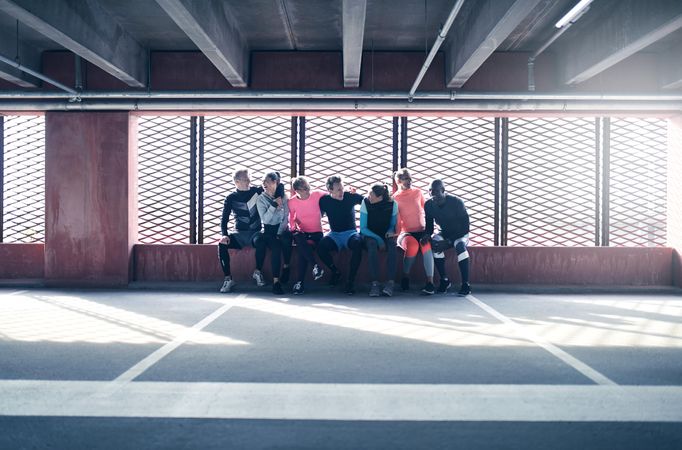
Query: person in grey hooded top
point(274, 215)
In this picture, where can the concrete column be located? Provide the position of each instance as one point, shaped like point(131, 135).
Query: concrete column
point(674, 199)
point(90, 192)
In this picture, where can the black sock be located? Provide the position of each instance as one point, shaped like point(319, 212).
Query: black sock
point(440, 266)
point(464, 270)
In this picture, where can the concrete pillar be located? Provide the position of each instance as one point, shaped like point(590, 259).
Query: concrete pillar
point(675, 196)
point(90, 192)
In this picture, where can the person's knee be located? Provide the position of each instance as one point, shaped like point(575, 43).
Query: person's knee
point(462, 252)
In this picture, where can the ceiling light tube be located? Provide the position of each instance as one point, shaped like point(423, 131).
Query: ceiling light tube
point(573, 13)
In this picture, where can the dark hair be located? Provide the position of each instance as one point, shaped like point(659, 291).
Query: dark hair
point(402, 173)
point(381, 190)
point(298, 183)
point(331, 181)
point(273, 176)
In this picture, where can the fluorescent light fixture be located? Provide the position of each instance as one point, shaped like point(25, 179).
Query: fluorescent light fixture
point(573, 13)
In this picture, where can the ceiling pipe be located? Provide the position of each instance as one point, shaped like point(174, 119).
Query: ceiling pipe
point(436, 45)
point(453, 96)
point(37, 75)
point(550, 41)
point(388, 106)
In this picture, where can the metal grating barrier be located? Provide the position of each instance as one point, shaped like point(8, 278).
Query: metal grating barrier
point(358, 148)
point(461, 152)
point(23, 191)
point(638, 179)
point(163, 179)
point(257, 143)
point(552, 179)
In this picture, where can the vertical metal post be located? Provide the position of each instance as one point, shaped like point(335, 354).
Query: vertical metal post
point(606, 169)
point(301, 145)
point(294, 147)
point(200, 225)
point(597, 181)
point(496, 231)
point(403, 142)
point(193, 180)
point(2, 176)
point(78, 69)
point(504, 189)
point(395, 144)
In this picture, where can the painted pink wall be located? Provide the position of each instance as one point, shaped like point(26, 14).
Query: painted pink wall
point(90, 176)
point(22, 261)
point(490, 265)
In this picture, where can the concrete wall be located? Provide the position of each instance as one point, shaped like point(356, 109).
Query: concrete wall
point(90, 211)
point(615, 266)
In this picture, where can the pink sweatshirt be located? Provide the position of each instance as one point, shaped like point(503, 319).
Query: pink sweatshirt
point(410, 210)
point(304, 215)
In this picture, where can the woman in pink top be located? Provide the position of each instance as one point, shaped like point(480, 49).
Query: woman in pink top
point(412, 229)
point(306, 225)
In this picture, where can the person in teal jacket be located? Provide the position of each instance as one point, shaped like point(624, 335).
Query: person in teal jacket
point(378, 218)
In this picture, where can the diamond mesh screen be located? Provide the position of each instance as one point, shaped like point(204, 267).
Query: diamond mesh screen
point(260, 144)
point(163, 179)
point(358, 148)
point(552, 192)
point(461, 152)
point(638, 179)
point(24, 179)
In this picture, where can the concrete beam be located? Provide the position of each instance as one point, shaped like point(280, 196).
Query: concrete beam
point(670, 69)
point(28, 57)
point(488, 25)
point(619, 33)
point(86, 29)
point(212, 27)
point(354, 12)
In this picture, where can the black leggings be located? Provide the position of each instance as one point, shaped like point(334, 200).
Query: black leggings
point(327, 245)
point(224, 254)
point(305, 250)
point(279, 245)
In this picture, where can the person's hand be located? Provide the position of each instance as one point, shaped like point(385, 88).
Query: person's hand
point(390, 234)
point(225, 240)
point(278, 200)
point(425, 240)
point(382, 245)
point(351, 189)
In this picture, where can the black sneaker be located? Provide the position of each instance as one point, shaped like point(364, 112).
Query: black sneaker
point(444, 285)
point(298, 288)
point(349, 289)
point(465, 290)
point(405, 284)
point(334, 280)
point(277, 288)
point(428, 289)
point(284, 276)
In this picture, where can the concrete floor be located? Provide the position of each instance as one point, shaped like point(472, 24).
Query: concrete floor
point(150, 369)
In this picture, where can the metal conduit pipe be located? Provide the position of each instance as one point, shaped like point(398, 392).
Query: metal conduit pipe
point(436, 45)
point(37, 75)
point(336, 95)
point(388, 106)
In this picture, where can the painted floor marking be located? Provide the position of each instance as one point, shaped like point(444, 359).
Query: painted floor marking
point(352, 402)
point(572, 361)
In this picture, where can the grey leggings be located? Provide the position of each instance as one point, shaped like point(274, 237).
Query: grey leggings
point(372, 247)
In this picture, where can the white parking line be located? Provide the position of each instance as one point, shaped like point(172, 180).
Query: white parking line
point(578, 365)
point(139, 368)
point(15, 293)
point(351, 402)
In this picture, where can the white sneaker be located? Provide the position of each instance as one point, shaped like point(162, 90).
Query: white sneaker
point(228, 286)
point(318, 272)
point(258, 276)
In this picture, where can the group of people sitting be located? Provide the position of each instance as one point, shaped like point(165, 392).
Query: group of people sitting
point(266, 218)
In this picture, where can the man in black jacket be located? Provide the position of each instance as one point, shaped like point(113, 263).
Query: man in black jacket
point(449, 213)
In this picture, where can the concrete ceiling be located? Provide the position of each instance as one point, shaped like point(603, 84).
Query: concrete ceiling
point(227, 30)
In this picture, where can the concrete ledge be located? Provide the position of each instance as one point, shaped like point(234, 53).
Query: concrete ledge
point(582, 266)
point(21, 261)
